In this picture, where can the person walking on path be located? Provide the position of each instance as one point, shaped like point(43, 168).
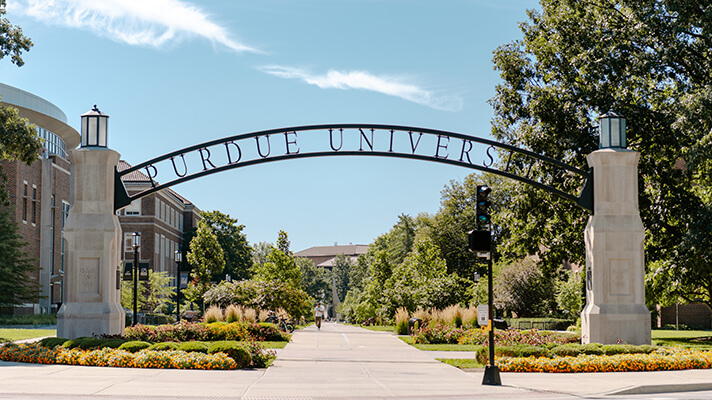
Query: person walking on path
point(319, 312)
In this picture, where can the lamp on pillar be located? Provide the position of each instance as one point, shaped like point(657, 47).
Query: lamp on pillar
point(95, 128)
point(612, 130)
point(178, 258)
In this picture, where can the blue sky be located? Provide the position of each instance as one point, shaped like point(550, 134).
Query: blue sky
point(175, 73)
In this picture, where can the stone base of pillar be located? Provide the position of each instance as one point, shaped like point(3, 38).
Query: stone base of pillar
point(88, 319)
point(616, 323)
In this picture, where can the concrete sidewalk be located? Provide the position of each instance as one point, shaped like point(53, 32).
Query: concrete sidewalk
point(341, 362)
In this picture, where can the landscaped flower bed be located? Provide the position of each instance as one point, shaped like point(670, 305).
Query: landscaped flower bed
point(663, 359)
point(108, 357)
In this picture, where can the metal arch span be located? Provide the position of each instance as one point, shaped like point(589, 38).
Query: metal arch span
point(355, 140)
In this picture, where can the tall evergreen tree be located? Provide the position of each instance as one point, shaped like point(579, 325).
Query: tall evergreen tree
point(18, 284)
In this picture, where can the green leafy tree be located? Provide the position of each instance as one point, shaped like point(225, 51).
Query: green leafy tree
point(18, 141)
point(569, 295)
point(280, 265)
point(521, 288)
point(12, 42)
point(261, 295)
point(236, 249)
point(314, 280)
point(340, 273)
point(153, 295)
point(206, 258)
point(448, 228)
point(650, 60)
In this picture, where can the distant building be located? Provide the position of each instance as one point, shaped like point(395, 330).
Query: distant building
point(162, 218)
point(323, 256)
point(40, 194)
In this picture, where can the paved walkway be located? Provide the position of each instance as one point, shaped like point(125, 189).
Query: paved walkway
point(341, 362)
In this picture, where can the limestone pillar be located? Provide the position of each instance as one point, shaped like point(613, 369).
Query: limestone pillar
point(615, 310)
point(92, 303)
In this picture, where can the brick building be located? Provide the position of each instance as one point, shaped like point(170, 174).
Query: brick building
point(41, 199)
point(40, 193)
point(162, 218)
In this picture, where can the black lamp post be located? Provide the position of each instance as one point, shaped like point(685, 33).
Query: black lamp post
point(178, 258)
point(612, 130)
point(136, 242)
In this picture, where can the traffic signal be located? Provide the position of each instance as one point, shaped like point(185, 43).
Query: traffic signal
point(479, 241)
point(483, 204)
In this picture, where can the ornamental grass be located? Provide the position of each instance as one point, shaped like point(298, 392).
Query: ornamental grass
point(666, 359)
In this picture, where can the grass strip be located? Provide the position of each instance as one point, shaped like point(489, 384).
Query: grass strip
point(11, 334)
point(462, 363)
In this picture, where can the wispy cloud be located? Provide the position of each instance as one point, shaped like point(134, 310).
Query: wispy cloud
point(136, 22)
point(392, 86)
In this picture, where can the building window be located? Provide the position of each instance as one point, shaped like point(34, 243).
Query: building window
point(134, 208)
point(51, 234)
point(25, 201)
point(65, 214)
point(34, 204)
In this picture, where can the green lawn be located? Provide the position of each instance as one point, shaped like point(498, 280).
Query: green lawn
point(697, 340)
point(379, 328)
point(20, 334)
point(461, 363)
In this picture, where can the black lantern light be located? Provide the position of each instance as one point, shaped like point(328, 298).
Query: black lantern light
point(612, 130)
point(95, 128)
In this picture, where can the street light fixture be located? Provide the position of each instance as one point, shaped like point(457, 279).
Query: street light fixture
point(136, 237)
point(95, 128)
point(178, 259)
point(612, 130)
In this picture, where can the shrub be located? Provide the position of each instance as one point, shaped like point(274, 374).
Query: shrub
point(548, 324)
point(180, 332)
point(74, 343)
point(266, 331)
point(566, 350)
point(402, 317)
point(234, 350)
point(113, 343)
point(90, 343)
point(163, 346)
point(195, 346)
point(261, 358)
point(438, 334)
point(134, 346)
point(52, 342)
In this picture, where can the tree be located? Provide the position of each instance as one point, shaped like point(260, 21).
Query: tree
point(17, 285)
point(448, 228)
point(18, 141)
point(650, 60)
point(153, 295)
point(314, 280)
point(237, 251)
point(569, 295)
point(340, 273)
point(521, 288)
point(206, 258)
point(12, 41)
point(280, 265)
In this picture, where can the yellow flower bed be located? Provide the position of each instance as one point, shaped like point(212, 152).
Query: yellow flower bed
point(34, 353)
point(660, 360)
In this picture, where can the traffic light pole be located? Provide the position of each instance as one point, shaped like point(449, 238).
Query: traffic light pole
point(491, 371)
